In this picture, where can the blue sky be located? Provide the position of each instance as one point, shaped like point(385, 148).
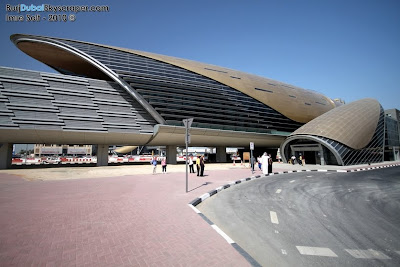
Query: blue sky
point(348, 49)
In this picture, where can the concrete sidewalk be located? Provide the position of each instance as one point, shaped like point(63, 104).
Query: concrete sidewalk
point(68, 173)
point(50, 217)
point(132, 220)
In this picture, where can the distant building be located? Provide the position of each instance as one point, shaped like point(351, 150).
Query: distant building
point(392, 136)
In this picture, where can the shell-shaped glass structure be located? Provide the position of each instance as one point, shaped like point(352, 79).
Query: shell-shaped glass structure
point(347, 135)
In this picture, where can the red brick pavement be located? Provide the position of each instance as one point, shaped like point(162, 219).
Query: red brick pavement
point(138, 220)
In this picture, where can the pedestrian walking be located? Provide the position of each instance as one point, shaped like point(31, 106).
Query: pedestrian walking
point(300, 160)
point(164, 165)
point(259, 163)
point(293, 159)
point(190, 162)
point(270, 164)
point(202, 164)
point(252, 163)
point(154, 163)
point(264, 163)
point(198, 165)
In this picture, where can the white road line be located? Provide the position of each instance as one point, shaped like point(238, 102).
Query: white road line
point(274, 217)
point(309, 176)
point(367, 254)
point(194, 208)
point(278, 191)
point(284, 252)
point(225, 236)
point(316, 251)
point(292, 181)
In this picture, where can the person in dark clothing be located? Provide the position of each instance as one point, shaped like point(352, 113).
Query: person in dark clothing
point(270, 164)
point(252, 162)
point(198, 165)
point(202, 166)
point(190, 162)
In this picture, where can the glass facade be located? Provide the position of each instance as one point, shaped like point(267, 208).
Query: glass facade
point(176, 93)
point(392, 139)
point(391, 132)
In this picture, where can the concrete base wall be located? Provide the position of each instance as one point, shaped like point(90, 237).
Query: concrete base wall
point(171, 154)
point(5, 155)
point(102, 155)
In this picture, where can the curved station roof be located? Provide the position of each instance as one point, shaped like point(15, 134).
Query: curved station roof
point(296, 103)
point(132, 97)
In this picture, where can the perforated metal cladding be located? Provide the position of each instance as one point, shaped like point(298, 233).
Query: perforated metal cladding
point(372, 152)
point(353, 124)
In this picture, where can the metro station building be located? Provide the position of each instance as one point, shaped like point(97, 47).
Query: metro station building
point(106, 95)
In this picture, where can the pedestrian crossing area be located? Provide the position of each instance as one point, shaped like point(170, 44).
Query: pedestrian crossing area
point(355, 253)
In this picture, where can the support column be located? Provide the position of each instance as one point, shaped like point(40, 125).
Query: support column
point(6, 155)
point(322, 158)
point(221, 154)
point(171, 154)
point(102, 155)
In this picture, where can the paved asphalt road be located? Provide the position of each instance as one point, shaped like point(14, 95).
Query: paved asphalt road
point(314, 218)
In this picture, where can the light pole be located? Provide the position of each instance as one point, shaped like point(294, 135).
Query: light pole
point(187, 123)
point(252, 161)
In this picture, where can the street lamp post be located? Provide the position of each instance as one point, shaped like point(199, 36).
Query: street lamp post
point(187, 123)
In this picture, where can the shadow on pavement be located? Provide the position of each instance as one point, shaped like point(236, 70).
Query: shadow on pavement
point(206, 183)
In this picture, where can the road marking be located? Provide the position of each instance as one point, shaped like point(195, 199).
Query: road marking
point(194, 208)
point(316, 251)
point(292, 181)
point(276, 232)
point(225, 236)
point(309, 176)
point(278, 191)
point(367, 254)
point(274, 217)
point(284, 252)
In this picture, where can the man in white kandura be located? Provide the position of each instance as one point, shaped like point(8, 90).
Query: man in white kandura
point(264, 163)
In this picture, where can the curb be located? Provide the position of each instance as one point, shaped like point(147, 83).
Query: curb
point(242, 252)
